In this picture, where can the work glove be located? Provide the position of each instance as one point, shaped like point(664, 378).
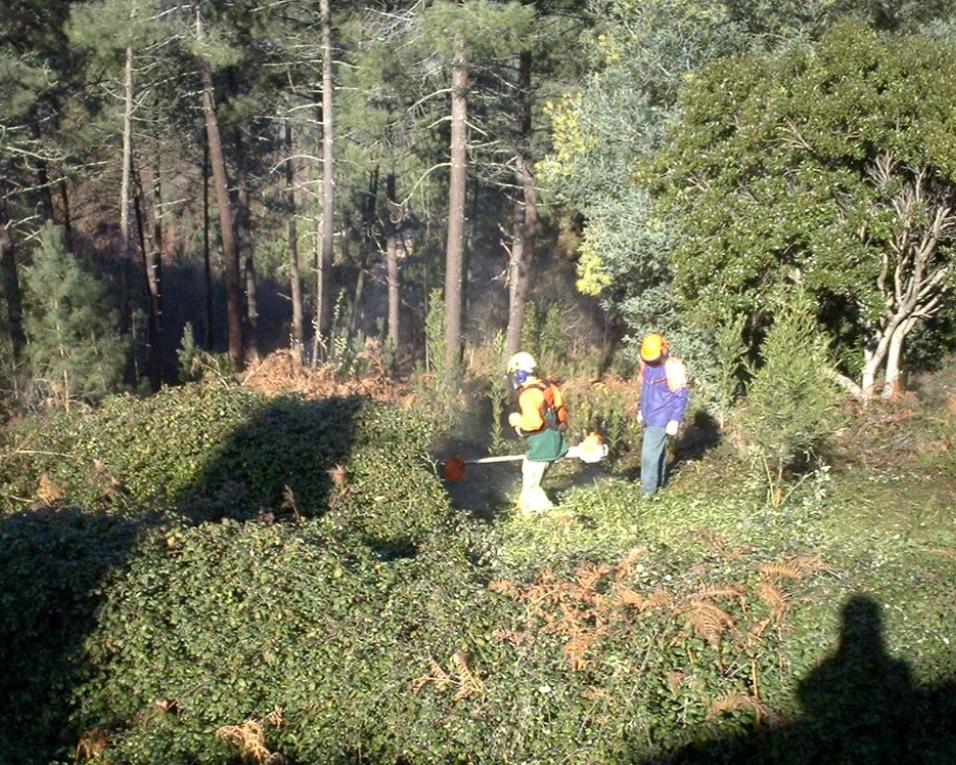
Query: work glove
point(672, 427)
point(514, 419)
point(640, 417)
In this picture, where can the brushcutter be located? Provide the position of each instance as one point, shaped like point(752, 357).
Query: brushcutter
point(592, 449)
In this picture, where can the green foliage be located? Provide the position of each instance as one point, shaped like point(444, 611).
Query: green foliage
point(385, 626)
point(74, 348)
point(498, 392)
point(771, 178)
point(530, 329)
point(730, 357)
point(792, 406)
point(212, 450)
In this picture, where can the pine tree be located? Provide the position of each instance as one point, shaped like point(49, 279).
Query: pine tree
point(74, 348)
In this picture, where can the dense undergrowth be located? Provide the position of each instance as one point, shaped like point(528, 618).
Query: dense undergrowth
point(211, 576)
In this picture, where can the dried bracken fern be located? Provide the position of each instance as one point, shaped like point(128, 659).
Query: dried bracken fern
point(249, 738)
point(659, 599)
point(774, 598)
point(782, 571)
point(589, 575)
point(735, 592)
point(675, 680)
point(740, 702)
point(513, 636)
point(707, 620)
point(48, 491)
point(89, 747)
point(625, 596)
point(459, 675)
point(502, 587)
point(283, 372)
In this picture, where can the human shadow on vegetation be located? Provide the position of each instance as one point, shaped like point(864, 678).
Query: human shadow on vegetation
point(697, 437)
point(55, 558)
point(860, 707)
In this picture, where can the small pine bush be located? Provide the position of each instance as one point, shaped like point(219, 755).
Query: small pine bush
point(792, 406)
point(74, 348)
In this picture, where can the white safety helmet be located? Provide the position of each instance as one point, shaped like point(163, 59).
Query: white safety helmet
point(522, 362)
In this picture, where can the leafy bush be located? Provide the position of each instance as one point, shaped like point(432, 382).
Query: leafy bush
point(211, 451)
point(792, 406)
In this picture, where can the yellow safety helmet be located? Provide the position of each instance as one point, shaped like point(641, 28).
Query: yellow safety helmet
point(653, 347)
point(522, 362)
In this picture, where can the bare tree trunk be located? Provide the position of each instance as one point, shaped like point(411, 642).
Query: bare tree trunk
point(67, 217)
point(151, 247)
point(43, 175)
point(526, 215)
point(11, 285)
point(244, 227)
point(456, 211)
point(323, 308)
point(368, 221)
point(298, 324)
point(206, 260)
point(153, 265)
point(127, 268)
point(391, 258)
point(893, 386)
point(230, 253)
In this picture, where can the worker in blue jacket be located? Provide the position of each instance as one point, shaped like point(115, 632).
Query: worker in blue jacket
point(664, 393)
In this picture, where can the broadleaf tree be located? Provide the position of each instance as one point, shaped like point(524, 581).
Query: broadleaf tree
point(830, 166)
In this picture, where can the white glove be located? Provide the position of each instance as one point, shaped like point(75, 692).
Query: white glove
point(514, 419)
point(672, 427)
point(640, 417)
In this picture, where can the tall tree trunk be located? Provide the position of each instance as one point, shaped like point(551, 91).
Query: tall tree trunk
point(124, 201)
point(43, 174)
point(323, 307)
point(298, 324)
point(151, 248)
point(368, 221)
point(391, 259)
point(456, 211)
point(153, 265)
point(206, 259)
point(244, 227)
point(526, 214)
point(230, 253)
point(67, 217)
point(250, 310)
point(11, 285)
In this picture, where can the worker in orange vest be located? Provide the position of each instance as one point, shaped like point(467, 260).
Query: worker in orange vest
point(541, 420)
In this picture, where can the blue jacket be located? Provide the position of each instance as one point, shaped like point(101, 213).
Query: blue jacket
point(664, 392)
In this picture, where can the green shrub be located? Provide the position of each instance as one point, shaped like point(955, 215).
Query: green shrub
point(792, 406)
point(212, 450)
point(74, 348)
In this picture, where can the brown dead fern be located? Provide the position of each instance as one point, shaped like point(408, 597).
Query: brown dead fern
point(249, 738)
point(458, 676)
point(90, 746)
point(774, 598)
point(740, 702)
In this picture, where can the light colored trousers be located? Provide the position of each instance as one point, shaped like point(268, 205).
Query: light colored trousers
point(653, 452)
point(533, 499)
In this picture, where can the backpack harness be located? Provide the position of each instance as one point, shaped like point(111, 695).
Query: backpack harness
point(555, 417)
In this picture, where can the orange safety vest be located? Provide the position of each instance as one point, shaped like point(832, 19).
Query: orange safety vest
point(550, 409)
